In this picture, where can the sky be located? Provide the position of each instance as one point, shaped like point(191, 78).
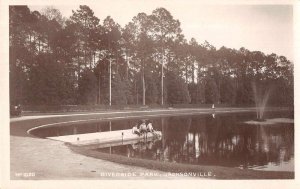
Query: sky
point(266, 28)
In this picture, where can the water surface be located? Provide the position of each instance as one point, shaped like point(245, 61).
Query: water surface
point(219, 139)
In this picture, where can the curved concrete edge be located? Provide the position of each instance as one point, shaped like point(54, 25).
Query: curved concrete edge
point(154, 114)
point(155, 111)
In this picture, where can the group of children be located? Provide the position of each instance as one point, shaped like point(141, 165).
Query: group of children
point(143, 127)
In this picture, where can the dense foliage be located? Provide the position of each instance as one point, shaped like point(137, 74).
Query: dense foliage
point(54, 60)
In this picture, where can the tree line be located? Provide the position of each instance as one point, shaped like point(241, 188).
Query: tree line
point(81, 60)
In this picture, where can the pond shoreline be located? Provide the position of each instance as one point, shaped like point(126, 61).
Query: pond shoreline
point(217, 172)
point(19, 127)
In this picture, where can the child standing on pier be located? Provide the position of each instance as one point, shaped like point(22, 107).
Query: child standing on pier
point(143, 127)
point(149, 127)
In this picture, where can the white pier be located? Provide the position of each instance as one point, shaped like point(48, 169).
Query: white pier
point(119, 136)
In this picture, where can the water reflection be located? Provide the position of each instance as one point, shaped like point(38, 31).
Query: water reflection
point(219, 139)
point(222, 140)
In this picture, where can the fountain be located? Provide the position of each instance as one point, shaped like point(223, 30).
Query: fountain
point(261, 98)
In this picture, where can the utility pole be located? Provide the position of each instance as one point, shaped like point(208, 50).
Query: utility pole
point(162, 82)
point(110, 82)
point(110, 54)
point(162, 76)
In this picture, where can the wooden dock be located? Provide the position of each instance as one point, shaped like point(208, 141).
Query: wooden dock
point(109, 138)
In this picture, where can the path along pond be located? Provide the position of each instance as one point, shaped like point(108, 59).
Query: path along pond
point(212, 139)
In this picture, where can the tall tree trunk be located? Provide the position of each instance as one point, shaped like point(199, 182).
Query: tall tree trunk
point(85, 58)
point(39, 45)
point(137, 93)
point(219, 91)
point(99, 87)
point(78, 59)
point(94, 56)
point(127, 65)
point(186, 72)
point(91, 61)
point(143, 82)
point(193, 72)
point(198, 83)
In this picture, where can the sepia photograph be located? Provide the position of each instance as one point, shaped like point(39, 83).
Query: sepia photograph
point(150, 90)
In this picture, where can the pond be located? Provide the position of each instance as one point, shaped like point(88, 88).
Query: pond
point(218, 139)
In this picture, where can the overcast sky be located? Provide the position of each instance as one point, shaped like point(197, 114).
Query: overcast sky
point(267, 28)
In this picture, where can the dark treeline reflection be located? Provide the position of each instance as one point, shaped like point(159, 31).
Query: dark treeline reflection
point(223, 140)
